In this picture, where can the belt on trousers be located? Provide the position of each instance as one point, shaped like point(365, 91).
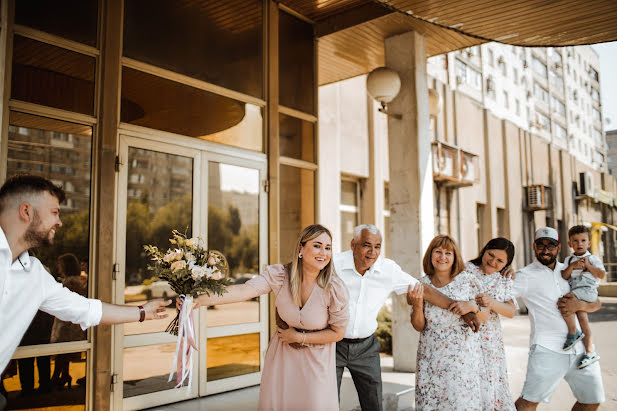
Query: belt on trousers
point(355, 340)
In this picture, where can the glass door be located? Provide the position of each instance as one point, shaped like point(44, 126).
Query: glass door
point(219, 195)
point(158, 192)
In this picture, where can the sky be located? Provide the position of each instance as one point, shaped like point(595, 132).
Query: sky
point(608, 82)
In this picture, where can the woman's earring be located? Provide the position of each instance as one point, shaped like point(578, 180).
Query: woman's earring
point(300, 255)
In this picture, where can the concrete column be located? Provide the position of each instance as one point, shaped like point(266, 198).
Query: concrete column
point(411, 180)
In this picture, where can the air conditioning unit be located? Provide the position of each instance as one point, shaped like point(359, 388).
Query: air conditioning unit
point(500, 60)
point(586, 184)
point(538, 197)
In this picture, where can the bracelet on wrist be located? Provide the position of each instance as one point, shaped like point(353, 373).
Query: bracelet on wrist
point(303, 338)
point(142, 313)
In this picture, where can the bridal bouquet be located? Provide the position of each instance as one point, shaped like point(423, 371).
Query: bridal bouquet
point(190, 269)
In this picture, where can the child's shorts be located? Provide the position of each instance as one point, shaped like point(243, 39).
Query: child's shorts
point(584, 288)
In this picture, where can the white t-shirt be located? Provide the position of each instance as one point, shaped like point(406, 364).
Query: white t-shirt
point(540, 288)
point(368, 292)
point(26, 287)
point(594, 260)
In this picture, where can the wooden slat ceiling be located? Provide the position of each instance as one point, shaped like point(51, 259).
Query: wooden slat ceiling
point(351, 43)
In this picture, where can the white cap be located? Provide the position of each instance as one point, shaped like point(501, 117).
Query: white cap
point(547, 233)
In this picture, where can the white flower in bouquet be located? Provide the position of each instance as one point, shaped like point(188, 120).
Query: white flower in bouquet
point(190, 258)
point(177, 265)
point(217, 275)
point(197, 272)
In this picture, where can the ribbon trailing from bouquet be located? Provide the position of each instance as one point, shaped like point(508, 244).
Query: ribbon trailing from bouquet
point(183, 358)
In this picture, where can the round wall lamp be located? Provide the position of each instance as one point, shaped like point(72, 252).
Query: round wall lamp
point(383, 84)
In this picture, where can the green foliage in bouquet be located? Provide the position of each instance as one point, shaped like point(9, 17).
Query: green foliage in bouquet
point(189, 268)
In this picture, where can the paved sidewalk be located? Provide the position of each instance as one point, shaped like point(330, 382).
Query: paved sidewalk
point(516, 336)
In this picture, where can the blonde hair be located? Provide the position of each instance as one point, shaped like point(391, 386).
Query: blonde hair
point(295, 271)
point(447, 243)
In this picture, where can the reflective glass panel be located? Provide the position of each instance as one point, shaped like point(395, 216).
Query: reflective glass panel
point(348, 221)
point(297, 206)
point(146, 369)
point(216, 41)
point(233, 229)
point(50, 382)
point(159, 200)
point(296, 63)
point(232, 356)
point(166, 105)
point(52, 76)
point(296, 138)
point(75, 20)
point(61, 152)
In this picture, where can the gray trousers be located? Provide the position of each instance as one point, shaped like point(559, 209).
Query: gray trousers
point(362, 361)
point(2, 402)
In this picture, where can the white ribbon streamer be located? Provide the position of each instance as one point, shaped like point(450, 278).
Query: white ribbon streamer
point(183, 357)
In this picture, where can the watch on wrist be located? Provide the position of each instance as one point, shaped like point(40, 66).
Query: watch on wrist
point(142, 313)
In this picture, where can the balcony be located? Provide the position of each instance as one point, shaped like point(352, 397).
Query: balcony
point(453, 166)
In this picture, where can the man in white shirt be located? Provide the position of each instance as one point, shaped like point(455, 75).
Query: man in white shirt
point(29, 218)
point(545, 294)
point(370, 278)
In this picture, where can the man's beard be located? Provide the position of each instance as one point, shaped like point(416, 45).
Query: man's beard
point(543, 261)
point(35, 236)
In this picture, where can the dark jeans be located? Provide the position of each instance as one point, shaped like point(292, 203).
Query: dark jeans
point(2, 402)
point(362, 361)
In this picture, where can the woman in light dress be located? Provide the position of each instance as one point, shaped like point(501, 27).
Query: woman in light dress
point(449, 354)
point(300, 367)
point(488, 268)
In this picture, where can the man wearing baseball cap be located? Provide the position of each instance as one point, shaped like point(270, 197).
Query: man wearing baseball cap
point(546, 293)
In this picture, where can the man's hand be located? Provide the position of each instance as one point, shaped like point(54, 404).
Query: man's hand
point(463, 307)
point(484, 300)
point(472, 321)
point(509, 273)
point(415, 297)
point(568, 304)
point(154, 309)
point(179, 302)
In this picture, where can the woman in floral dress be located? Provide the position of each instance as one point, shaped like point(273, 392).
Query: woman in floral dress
point(488, 268)
point(449, 362)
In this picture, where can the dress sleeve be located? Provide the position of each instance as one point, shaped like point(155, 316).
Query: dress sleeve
point(271, 279)
point(338, 308)
point(475, 286)
point(400, 279)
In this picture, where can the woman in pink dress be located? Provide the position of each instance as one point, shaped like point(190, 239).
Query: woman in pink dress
point(497, 296)
point(300, 366)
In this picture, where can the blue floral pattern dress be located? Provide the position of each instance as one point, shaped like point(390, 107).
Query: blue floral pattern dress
point(496, 390)
point(449, 362)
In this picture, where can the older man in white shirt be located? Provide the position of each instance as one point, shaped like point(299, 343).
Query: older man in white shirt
point(545, 294)
point(29, 218)
point(370, 279)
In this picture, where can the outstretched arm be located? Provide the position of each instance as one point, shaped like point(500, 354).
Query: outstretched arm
point(434, 297)
point(506, 309)
point(118, 314)
point(232, 294)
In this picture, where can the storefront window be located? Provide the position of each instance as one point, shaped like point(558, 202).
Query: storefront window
point(72, 19)
point(297, 138)
point(215, 41)
point(232, 356)
point(52, 76)
point(297, 206)
point(59, 151)
point(166, 105)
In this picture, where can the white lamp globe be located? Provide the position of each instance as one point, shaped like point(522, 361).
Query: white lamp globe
point(383, 84)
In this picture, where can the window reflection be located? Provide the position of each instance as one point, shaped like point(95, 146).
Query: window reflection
point(216, 41)
point(159, 200)
point(297, 205)
point(59, 151)
point(52, 76)
point(297, 138)
point(296, 63)
point(146, 369)
point(72, 19)
point(166, 105)
point(29, 383)
point(232, 356)
point(233, 229)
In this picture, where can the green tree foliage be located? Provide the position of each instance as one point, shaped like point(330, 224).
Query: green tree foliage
point(384, 330)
